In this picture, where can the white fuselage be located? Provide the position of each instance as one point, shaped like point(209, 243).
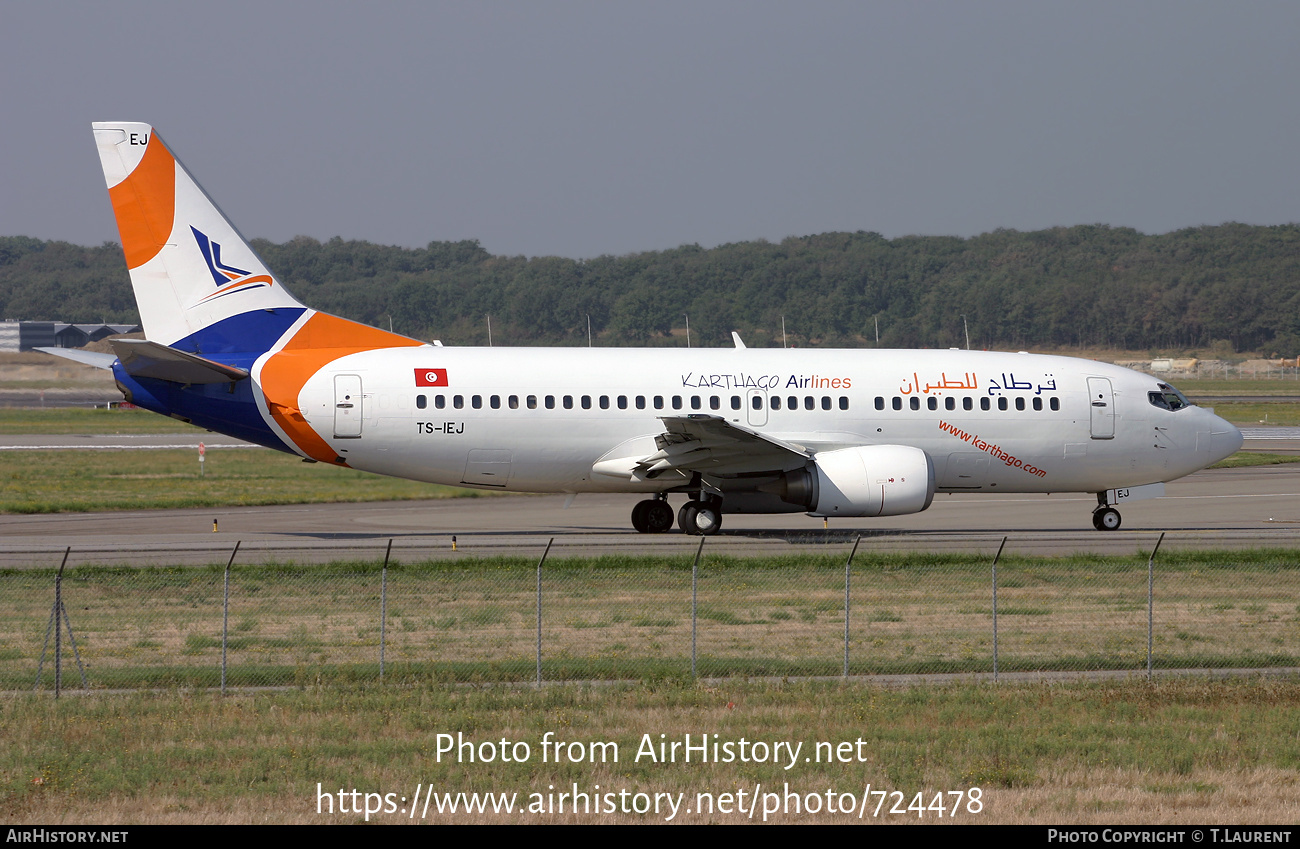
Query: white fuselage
point(516, 419)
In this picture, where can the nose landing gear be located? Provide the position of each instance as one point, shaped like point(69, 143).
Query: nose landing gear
point(1105, 517)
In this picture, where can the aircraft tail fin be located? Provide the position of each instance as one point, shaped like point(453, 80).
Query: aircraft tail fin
point(192, 272)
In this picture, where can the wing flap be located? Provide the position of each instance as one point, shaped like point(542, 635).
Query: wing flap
point(709, 445)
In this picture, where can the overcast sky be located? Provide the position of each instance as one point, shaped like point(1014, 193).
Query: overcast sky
point(587, 128)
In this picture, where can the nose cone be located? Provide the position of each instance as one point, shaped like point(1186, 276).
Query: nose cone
point(1225, 439)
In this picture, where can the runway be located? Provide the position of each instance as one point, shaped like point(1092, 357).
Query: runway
point(1223, 508)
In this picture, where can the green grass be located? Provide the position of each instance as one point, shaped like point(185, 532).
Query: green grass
point(1197, 750)
point(1281, 413)
point(1255, 458)
point(75, 481)
point(1194, 387)
point(475, 620)
point(80, 420)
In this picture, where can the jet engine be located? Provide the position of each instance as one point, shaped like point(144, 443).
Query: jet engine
point(870, 480)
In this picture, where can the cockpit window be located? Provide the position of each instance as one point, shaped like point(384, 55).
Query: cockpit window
point(1168, 398)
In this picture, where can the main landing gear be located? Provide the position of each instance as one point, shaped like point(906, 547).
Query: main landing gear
point(699, 517)
point(1105, 517)
point(652, 516)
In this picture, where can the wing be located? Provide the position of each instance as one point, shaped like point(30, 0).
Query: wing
point(707, 444)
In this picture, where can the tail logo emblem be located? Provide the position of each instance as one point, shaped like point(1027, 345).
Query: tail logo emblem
point(229, 279)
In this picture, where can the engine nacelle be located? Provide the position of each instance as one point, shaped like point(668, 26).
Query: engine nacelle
point(870, 480)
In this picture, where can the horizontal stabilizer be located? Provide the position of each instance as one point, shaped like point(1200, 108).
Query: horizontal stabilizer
point(149, 359)
point(89, 358)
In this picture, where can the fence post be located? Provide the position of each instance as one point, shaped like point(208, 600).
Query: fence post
point(846, 604)
point(1151, 582)
point(225, 615)
point(383, 607)
point(695, 581)
point(58, 625)
point(58, 620)
point(996, 558)
point(539, 610)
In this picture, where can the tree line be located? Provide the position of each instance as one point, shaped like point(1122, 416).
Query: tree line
point(1080, 286)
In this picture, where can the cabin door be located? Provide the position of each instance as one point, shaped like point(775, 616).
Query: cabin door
point(347, 406)
point(1102, 401)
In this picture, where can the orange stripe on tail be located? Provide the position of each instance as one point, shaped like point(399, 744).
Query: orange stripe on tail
point(145, 204)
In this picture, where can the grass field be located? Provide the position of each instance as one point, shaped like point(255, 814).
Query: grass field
point(80, 420)
point(1176, 751)
point(74, 481)
point(617, 618)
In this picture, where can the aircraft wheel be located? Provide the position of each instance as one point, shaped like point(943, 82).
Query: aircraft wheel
point(1106, 519)
point(658, 516)
point(708, 519)
point(686, 517)
point(640, 516)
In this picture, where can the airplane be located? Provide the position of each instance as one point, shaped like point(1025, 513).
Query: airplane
point(830, 433)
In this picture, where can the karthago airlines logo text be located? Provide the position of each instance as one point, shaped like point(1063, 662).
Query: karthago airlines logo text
point(229, 279)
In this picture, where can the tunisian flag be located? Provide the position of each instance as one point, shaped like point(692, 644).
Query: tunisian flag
point(431, 377)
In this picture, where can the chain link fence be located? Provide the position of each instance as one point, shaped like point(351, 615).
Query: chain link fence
point(559, 617)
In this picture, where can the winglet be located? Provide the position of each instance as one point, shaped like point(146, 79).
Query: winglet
point(735, 337)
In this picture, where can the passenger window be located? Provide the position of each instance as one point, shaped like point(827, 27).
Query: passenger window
point(476, 402)
point(604, 402)
point(622, 402)
point(1038, 403)
point(640, 402)
point(844, 402)
point(898, 403)
point(532, 402)
point(677, 402)
point(950, 403)
point(439, 401)
point(1054, 403)
point(659, 402)
point(1020, 404)
point(1002, 404)
point(695, 402)
point(984, 403)
point(756, 402)
point(826, 402)
point(792, 403)
point(715, 403)
point(586, 402)
point(421, 402)
point(880, 403)
point(458, 401)
point(914, 403)
point(809, 402)
point(513, 401)
point(735, 402)
point(495, 402)
point(967, 404)
point(550, 402)
point(932, 403)
point(568, 402)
